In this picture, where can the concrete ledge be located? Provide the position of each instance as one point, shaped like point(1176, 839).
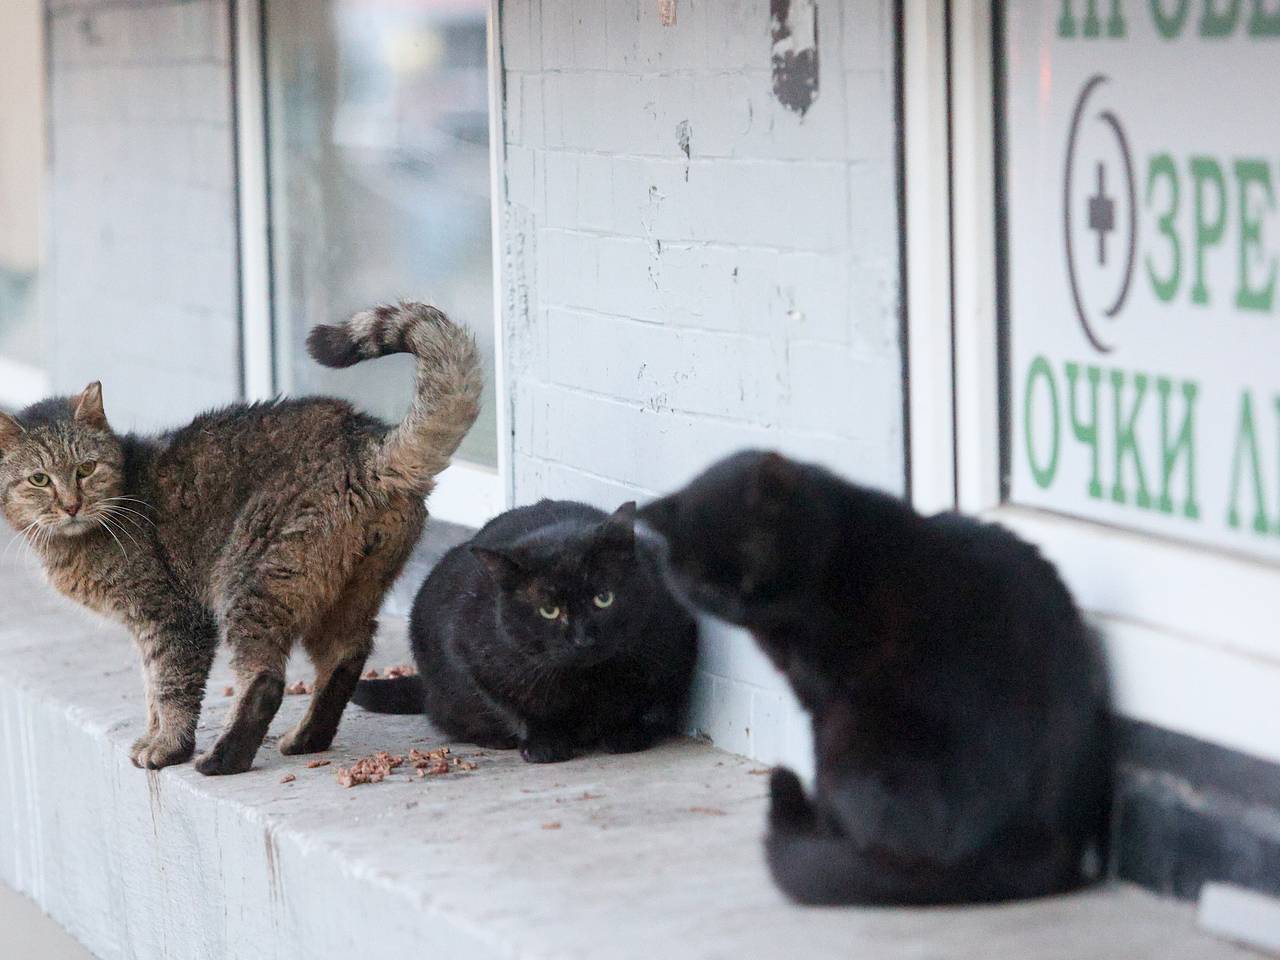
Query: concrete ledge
point(656, 854)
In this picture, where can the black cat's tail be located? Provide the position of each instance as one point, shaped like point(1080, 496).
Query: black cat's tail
point(394, 695)
point(816, 867)
point(447, 394)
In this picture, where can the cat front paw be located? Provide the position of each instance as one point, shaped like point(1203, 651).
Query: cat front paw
point(158, 750)
point(546, 751)
point(629, 740)
point(789, 808)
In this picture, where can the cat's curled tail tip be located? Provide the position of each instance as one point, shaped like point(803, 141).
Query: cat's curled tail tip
point(333, 346)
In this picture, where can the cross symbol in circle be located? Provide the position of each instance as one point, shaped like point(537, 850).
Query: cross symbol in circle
point(1102, 214)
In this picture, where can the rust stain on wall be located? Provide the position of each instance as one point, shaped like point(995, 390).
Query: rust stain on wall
point(793, 26)
point(667, 12)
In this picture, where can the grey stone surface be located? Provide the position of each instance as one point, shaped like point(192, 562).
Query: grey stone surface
point(655, 854)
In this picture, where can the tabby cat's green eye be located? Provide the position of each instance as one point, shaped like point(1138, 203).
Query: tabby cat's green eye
point(603, 599)
point(86, 469)
point(548, 612)
point(39, 479)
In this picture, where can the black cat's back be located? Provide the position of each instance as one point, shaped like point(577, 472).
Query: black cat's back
point(959, 701)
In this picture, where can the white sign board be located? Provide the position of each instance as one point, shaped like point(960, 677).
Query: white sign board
point(1142, 150)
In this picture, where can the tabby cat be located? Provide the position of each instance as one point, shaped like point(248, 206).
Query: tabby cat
point(959, 702)
point(260, 524)
point(551, 630)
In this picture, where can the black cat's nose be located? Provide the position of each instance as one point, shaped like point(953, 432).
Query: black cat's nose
point(582, 639)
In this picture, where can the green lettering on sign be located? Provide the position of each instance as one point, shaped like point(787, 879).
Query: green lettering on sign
point(1126, 441)
point(1092, 23)
point(1043, 475)
point(1170, 25)
point(1254, 173)
point(1205, 173)
point(1219, 23)
point(1086, 432)
point(1161, 167)
point(1263, 23)
point(1247, 445)
point(1183, 446)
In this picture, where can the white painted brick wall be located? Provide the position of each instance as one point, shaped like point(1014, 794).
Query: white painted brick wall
point(143, 252)
point(663, 310)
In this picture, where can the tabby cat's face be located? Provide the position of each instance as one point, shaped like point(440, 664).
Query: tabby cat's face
point(61, 468)
point(574, 600)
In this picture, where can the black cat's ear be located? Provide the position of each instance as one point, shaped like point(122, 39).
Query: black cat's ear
point(503, 567)
point(86, 407)
point(10, 431)
point(619, 531)
point(660, 515)
point(773, 481)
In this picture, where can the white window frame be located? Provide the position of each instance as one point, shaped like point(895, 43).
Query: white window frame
point(466, 493)
point(1193, 633)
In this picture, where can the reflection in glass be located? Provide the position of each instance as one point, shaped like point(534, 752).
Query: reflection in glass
point(22, 159)
point(379, 155)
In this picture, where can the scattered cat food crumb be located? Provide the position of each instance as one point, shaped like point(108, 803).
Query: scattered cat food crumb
point(288, 778)
point(709, 811)
point(318, 763)
point(371, 769)
point(228, 691)
point(758, 771)
point(371, 675)
point(297, 688)
point(401, 670)
point(376, 767)
point(554, 825)
point(590, 796)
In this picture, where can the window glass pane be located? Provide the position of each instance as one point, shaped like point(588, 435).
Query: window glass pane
point(22, 160)
point(378, 136)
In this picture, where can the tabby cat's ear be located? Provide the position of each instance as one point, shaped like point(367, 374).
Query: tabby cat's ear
point(503, 567)
point(619, 531)
point(773, 481)
point(10, 431)
point(86, 407)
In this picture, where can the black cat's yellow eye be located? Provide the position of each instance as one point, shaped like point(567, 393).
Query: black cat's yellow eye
point(603, 599)
point(548, 612)
point(38, 479)
point(86, 469)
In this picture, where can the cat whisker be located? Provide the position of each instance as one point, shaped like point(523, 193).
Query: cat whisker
point(102, 523)
point(113, 505)
point(119, 528)
point(115, 514)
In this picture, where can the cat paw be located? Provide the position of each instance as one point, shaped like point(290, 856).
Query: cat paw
point(299, 741)
point(546, 751)
point(789, 808)
point(629, 740)
point(221, 761)
point(497, 743)
point(157, 750)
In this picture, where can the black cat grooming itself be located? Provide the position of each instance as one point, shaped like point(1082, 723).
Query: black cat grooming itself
point(551, 630)
point(960, 704)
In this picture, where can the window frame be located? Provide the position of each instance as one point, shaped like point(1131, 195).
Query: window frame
point(466, 493)
point(1192, 632)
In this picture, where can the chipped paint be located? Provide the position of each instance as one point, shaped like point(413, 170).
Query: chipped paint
point(793, 26)
point(667, 12)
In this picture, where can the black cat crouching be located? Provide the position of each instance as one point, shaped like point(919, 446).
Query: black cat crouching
point(960, 704)
point(551, 630)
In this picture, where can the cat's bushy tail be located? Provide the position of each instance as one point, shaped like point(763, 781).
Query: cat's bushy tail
point(448, 385)
point(393, 695)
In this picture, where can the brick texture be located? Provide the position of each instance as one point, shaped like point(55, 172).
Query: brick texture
point(142, 211)
point(691, 268)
